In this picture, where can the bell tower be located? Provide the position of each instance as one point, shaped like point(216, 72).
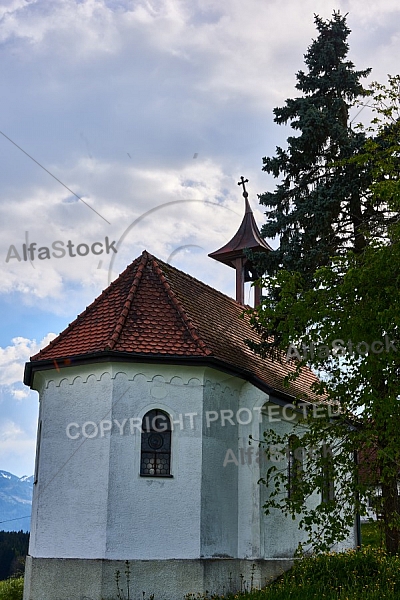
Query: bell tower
point(232, 254)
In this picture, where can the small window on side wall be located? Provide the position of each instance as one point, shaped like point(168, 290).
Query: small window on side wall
point(294, 465)
point(328, 474)
point(38, 442)
point(155, 455)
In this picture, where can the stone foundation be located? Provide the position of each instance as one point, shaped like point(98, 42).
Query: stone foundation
point(80, 579)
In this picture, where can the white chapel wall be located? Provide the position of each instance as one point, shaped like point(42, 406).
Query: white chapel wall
point(70, 497)
point(90, 500)
point(155, 517)
point(219, 490)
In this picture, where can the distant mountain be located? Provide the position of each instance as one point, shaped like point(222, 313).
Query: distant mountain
point(15, 501)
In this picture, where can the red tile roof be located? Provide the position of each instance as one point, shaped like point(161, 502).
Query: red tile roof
point(154, 310)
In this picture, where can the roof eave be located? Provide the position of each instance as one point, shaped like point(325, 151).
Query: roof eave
point(115, 356)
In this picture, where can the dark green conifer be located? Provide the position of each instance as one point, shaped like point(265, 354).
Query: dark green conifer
point(318, 208)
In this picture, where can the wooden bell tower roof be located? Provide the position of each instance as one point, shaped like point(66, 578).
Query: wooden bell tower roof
point(232, 254)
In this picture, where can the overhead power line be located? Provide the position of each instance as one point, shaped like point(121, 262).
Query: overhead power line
point(54, 177)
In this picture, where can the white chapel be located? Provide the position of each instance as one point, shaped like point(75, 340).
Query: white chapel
point(147, 402)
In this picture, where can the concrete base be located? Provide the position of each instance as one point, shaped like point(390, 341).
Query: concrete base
point(79, 579)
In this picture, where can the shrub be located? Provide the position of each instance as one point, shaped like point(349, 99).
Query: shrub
point(12, 589)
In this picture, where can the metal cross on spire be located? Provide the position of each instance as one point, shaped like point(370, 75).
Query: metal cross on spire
point(242, 182)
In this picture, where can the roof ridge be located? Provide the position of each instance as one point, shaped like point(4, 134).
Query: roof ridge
point(128, 302)
point(202, 283)
point(178, 306)
point(88, 308)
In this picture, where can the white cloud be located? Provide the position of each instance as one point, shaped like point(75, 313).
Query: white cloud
point(9, 431)
point(123, 95)
point(17, 448)
point(184, 203)
point(251, 49)
point(18, 407)
point(65, 25)
point(19, 394)
point(13, 358)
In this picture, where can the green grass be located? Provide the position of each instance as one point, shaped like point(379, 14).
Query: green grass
point(365, 575)
point(369, 574)
point(12, 589)
point(354, 575)
point(372, 534)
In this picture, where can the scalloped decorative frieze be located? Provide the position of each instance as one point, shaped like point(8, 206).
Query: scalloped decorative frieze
point(221, 388)
point(157, 379)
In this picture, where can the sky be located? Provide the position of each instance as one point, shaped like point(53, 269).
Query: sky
point(145, 114)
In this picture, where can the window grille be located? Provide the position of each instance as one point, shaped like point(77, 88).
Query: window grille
point(295, 464)
point(155, 458)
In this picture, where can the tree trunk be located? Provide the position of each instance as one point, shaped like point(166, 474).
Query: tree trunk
point(357, 220)
point(386, 420)
point(390, 509)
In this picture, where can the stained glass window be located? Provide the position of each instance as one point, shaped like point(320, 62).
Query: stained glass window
point(328, 472)
point(155, 459)
point(295, 464)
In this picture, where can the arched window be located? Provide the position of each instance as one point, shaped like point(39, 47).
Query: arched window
point(328, 474)
point(38, 442)
point(155, 457)
point(295, 464)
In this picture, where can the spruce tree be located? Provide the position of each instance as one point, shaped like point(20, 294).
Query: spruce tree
point(318, 208)
point(332, 288)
